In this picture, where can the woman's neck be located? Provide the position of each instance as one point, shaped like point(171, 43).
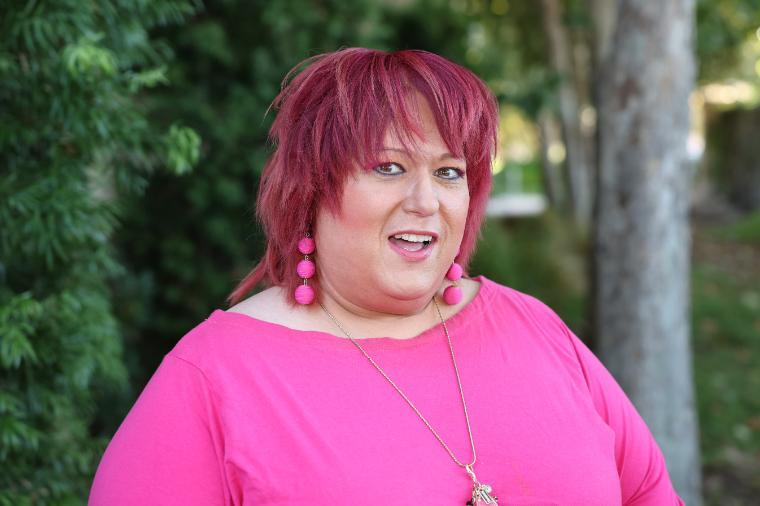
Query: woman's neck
point(271, 305)
point(362, 322)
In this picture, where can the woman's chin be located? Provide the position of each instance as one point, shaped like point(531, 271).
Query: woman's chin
point(413, 288)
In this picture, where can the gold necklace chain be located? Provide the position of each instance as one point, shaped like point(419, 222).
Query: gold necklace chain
point(468, 467)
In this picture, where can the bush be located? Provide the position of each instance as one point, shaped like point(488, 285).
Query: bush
point(73, 141)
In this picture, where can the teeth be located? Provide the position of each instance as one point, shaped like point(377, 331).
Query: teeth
point(414, 237)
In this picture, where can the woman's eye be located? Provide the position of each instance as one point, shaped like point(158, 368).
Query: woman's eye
point(450, 173)
point(389, 169)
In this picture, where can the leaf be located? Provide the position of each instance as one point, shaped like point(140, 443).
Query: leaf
point(148, 79)
point(183, 146)
point(14, 348)
point(86, 59)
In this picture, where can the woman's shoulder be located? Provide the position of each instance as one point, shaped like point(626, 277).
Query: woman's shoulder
point(242, 328)
point(201, 341)
point(222, 333)
point(514, 305)
point(500, 294)
point(267, 305)
point(536, 326)
point(270, 306)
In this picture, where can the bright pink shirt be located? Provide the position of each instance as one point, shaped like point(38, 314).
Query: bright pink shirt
point(243, 411)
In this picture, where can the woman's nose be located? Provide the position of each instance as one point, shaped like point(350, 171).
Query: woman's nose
point(422, 198)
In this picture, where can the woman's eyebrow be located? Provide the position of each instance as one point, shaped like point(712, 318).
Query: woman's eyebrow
point(444, 156)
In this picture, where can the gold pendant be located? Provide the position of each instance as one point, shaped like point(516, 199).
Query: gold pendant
point(481, 493)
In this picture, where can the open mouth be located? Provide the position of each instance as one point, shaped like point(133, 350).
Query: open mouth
point(412, 242)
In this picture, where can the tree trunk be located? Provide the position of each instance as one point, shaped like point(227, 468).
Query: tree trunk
point(642, 237)
point(560, 48)
point(604, 17)
point(550, 171)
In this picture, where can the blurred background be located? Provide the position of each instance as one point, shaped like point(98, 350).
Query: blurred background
point(133, 133)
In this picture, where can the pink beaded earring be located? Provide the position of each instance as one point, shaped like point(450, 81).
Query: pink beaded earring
point(453, 294)
point(304, 293)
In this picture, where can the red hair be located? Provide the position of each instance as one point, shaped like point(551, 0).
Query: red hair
point(333, 115)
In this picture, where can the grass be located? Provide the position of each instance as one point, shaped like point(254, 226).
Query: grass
point(726, 338)
point(746, 230)
point(726, 328)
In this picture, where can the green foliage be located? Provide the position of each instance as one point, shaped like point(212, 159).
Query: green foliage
point(723, 27)
point(528, 174)
point(746, 230)
point(497, 39)
point(73, 142)
point(539, 256)
point(183, 147)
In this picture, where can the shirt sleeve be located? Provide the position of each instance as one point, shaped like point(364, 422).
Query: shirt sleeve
point(168, 449)
point(644, 478)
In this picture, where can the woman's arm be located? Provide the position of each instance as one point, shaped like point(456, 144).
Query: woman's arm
point(644, 479)
point(168, 450)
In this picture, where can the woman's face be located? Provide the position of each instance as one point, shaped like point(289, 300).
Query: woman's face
point(399, 228)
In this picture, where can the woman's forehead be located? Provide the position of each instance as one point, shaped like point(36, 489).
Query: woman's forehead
point(427, 141)
point(441, 154)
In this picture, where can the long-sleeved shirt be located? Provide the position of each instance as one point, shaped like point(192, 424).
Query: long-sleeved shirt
point(247, 412)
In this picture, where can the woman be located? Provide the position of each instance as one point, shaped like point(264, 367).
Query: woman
point(371, 371)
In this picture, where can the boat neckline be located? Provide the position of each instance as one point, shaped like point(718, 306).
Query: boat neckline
point(455, 322)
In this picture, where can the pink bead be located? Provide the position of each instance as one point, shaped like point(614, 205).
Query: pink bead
point(306, 245)
point(306, 269)
point(304, 294)
point(455, 272)
point(452, 295)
